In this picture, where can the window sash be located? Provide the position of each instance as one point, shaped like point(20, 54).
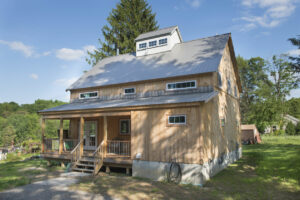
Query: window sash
point(177, 119)
point(129, 91)
point(181, 85)
point(143, 45)
point(125, 126)
point(152, 43)
point(163, 41)
point(88, 95)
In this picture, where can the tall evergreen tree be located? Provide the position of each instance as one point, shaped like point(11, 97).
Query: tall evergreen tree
point(125, 22)
point(295, 60)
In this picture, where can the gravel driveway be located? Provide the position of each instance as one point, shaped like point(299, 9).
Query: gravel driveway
point(54, 189)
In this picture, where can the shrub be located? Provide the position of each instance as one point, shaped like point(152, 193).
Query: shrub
point(290, 129)
point(298, 129)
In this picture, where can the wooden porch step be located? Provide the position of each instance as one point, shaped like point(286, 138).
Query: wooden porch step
point(84, 165)
point(83, 170)
point(86, 160)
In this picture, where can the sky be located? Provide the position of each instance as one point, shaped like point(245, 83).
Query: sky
point(43, 43)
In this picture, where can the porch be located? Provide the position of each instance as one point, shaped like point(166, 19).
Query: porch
point(90, 141)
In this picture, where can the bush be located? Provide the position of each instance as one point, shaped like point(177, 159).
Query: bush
point(290, 129)
point(298, 129)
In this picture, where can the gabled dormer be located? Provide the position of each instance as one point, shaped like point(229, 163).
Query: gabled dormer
point(157, 41)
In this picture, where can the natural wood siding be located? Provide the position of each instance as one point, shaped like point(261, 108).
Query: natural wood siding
point(113, 124)
point(142, 87)
point(158, 142)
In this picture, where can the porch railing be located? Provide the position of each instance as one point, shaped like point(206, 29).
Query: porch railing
point(75, 153)
point(52, 144)
point(118, 148)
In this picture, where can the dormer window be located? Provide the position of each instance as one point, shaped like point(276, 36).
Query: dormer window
point(163, 41)
point(88, 95)
point(143, 45)
point(152, 43)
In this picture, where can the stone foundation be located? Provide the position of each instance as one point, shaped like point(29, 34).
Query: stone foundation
point(191, 173)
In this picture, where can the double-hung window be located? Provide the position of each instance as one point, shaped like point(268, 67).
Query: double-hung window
point(125, 126)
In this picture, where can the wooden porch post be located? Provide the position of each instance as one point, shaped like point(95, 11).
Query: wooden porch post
point(43, 135)
point(105, 134)
point(81, 134)
point(61, 135)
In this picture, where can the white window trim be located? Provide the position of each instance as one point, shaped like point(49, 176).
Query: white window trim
point(181, 88)
point(177, 116)
point(154, 45)
point(144, 47)
point(129, 126)
point(129, 93)
point(163, 43)
point(89, 97)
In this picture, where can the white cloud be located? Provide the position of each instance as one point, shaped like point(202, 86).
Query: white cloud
point(89, 48)
point(65, 82)
point(74, 54)
point(294, 52)
point(19, 46)
point(47, 53)
point(34, 76)
point(69, 54)
point(27, 50)
point(274, 12)
point(194, 3)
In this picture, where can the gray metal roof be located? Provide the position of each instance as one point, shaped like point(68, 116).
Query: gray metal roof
point(163, 31)
point(192, 57)
point(168, 99)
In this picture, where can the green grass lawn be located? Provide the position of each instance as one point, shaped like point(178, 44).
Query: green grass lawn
point(14, 171)
point(270, 170)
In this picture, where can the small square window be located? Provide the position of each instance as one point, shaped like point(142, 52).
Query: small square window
point(163, 41)
point(125, 126)
point(152, 43)
point(143, 45)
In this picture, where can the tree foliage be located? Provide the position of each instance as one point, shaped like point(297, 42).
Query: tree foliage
point(295, 60)
point(266, 86)
point(129, 19)
point(21, 122)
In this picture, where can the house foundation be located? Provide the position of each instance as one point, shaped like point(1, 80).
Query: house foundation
point(194, 174)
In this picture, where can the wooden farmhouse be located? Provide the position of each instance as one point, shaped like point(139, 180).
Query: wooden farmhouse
point(170, 101)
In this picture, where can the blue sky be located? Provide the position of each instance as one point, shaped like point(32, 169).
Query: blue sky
point(43, 43)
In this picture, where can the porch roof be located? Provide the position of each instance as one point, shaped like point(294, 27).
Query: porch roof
point(146, 101)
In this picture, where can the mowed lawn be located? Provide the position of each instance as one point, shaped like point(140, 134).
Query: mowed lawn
point(16, 171)
point(267, 171)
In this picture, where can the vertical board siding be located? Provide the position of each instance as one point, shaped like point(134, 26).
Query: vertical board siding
point(156, 141)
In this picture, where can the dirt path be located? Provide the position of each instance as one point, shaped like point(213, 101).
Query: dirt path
point(52, 189)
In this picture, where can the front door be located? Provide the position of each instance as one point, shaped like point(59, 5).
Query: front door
point(90, 135)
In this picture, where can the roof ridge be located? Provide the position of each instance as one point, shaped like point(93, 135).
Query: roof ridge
point(159, 29)
point(205, 38)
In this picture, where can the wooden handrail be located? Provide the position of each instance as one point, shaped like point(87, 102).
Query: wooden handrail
point(77, 146)
point(98, 157)
point(75, 153)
